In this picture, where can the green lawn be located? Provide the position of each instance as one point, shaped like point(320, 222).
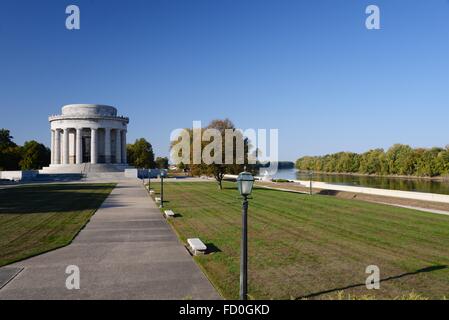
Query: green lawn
point(314, 247)
point(39, 218)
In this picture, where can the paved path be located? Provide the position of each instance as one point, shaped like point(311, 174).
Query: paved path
point(126, 251)
point(446, 213)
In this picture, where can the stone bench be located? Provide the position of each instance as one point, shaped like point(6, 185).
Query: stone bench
point(157, 199)
point(196, 246)
point(169, 213)
point(151, 191)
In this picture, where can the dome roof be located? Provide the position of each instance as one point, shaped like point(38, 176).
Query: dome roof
point(89, 110)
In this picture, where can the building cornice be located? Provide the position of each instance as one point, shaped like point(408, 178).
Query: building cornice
point(95, 118)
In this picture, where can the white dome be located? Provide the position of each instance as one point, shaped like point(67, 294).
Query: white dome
point(89, 110)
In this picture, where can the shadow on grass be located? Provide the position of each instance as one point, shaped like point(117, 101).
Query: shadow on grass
point(211, 248)
point(54, 198)
point(407, 274)
point(328, 192)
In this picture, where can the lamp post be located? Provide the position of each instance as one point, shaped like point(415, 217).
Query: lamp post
point(162, 187)
point(310, 185)
point(245, 183)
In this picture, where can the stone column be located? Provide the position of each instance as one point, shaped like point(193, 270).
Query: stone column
point(118, 146)
point(93, 146)
point(65, 146)
point(57, 146)
point(52, 147)
point(124, 157)
point(78, 147)
point(107, 145)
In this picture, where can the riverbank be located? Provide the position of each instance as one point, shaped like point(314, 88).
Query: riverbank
point(397, 201)
point(354, 174)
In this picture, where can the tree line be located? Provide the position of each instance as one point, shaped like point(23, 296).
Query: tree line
point(400, 159)
point(32, 155)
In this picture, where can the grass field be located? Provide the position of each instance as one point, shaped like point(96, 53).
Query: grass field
point(39, 218)
point(314, 247)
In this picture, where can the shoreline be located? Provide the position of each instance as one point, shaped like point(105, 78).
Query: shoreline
point(439, 178)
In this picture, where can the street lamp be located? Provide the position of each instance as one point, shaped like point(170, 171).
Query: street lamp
point(245, 182)
point(162, 187)
point(310, 185)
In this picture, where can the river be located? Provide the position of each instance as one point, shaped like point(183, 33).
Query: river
point(419, 185)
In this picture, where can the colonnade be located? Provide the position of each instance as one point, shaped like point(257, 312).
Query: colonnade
point(68, 146)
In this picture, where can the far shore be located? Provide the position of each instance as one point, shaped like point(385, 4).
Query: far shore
point(438, 178)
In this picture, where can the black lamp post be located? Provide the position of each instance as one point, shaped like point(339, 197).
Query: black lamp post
point(245, 183)
point(310, 183)
point(162, 187)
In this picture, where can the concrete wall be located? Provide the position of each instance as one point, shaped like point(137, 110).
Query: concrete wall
point(18, 175)
point(142, 173)
point(379, 192)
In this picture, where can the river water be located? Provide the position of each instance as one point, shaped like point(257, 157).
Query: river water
point(419, 185)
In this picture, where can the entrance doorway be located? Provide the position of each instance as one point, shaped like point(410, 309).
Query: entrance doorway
point(86, 149)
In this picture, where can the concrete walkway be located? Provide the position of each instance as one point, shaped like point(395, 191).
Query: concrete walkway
point(446, 213)
point(126, 251)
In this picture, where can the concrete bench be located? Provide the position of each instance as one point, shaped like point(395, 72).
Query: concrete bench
point(151, 191)
point(197, 246)
point(169, 213)
point(157, 199)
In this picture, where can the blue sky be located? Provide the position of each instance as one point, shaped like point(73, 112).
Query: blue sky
point(309, 68)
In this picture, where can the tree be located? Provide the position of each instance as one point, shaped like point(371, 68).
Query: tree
point(162, 163)
point(401, 160)
point(34, 156)
point(182, 166)
point(218, 167)
point(9, 152)
point(140, 154)
point(6, 139)
point(373, 162)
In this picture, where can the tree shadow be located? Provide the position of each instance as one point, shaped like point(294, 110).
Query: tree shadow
point(51, 198)
point(58, 177)
point(328, 192)
point(230, 188)
point(423, 270)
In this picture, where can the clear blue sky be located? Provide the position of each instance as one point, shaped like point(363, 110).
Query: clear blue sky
point(309, 68)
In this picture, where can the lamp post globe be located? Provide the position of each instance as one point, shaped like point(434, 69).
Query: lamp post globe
point(245, 182)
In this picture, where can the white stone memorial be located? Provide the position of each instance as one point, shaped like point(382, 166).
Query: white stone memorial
point(88, 137)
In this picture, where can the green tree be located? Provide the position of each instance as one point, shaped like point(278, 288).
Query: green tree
point(140, 154)
point(373, 162)
point(401, 160)
point(220, 168)
point(162, 162)
point(34, 156)
point(9, 152)
point(6, 139)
